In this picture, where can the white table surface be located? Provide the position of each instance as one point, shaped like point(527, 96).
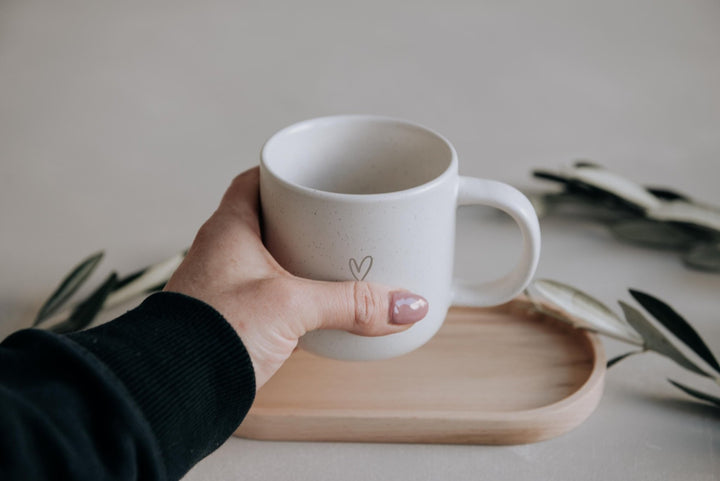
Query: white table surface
point(121, 124)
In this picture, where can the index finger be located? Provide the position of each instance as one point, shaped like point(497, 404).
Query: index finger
point(242, 198)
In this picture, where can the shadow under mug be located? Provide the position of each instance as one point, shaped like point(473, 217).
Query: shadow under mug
point(370, 198)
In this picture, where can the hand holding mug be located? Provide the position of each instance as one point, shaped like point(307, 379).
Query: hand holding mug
point(229, 268)
point(367, 198)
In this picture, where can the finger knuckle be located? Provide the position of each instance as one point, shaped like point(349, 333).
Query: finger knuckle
point(366, 305)
point(206, 233)
point(241, 180)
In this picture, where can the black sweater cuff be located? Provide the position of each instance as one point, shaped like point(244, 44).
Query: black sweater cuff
point(185, 367)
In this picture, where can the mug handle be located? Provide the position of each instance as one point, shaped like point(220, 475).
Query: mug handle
point(501, 196)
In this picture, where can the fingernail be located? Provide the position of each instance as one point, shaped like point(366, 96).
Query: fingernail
point(406, 307)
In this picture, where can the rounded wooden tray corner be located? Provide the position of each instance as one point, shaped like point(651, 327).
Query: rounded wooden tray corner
point(501, 375)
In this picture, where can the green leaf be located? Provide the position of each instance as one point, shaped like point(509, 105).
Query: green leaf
point(594, 314)
point(667, 194)
point(613, 184)
point(552, 176)
point(695, 393)
point(568, 203)
point(86, 311)
point(619, 358)
point(123, 281)
point(676, 324)
point(586, 164)
point(656, 341)
point(149, 279)
point(702, 216)
point(69, 285)
point(704, 257)
point(652, 233)
point(156, 288)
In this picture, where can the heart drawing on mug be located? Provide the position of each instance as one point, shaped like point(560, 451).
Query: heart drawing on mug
point(359, 272)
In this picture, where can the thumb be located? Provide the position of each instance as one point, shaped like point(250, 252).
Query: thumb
point(364, 308)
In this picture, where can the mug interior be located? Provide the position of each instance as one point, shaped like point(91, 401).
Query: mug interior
point(357, 155)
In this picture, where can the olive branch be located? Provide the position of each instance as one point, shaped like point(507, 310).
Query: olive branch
point(654, 217)
point(575, 307)
point(54, 314)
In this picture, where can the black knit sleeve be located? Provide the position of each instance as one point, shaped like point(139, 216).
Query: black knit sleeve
point(145, 396)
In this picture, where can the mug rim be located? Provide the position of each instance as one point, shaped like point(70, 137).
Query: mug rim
point(339, 196)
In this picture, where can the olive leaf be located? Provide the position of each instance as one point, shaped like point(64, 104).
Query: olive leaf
point(574, 204)
point(654, 217)
point(127, 279)
point(86, 311)
point(692, 213)
point(571, 305)
point(544, 174)
point(594, 314)
point(68, 286)
point(614, 184)
point(141, 282)
point(587, 196)
point(667, 194)
point(662, 193)
point(655, 340)
point(147, 280)
point(695, 393)
point(676, 324)
point(653, 233)
point(588, 164)
point(619, 358)
point(704, 257)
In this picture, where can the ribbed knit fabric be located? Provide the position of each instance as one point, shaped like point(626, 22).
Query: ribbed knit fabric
point(185, 368)
point(65, 415)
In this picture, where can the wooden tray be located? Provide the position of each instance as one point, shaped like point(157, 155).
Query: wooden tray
point(503, 375)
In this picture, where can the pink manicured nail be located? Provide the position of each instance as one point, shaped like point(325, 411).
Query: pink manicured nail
point(406, 307)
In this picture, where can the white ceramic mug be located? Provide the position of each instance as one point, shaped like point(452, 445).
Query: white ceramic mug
point(373, 198)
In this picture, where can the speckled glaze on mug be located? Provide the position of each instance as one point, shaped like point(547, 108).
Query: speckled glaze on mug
point(362, 197)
